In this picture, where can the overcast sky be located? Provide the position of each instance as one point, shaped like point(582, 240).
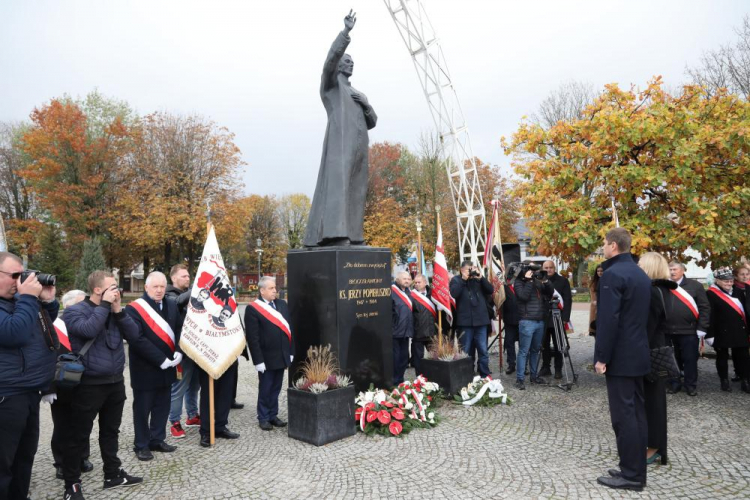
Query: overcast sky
point(254, 66)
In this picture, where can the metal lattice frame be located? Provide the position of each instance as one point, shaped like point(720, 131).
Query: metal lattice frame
point(423, 45)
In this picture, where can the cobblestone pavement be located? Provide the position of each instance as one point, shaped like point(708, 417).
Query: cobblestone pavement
point(549, 444)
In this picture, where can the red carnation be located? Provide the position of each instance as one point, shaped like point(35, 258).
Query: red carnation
point(395, 428)
point(384, 417)
point(397, 413)
point(371, 416)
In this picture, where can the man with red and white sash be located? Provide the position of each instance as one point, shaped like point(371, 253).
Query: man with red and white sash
point(152, 366)
point(425, 317)
point(688, 323)
point(728, 330)
point(403, 324)
point(271, 347)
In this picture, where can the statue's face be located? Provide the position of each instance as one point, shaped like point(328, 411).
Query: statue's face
point(346, 65)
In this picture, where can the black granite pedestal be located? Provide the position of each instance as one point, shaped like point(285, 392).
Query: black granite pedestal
point(342, 296)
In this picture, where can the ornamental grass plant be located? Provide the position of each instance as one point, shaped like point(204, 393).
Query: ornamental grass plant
point(320, 371)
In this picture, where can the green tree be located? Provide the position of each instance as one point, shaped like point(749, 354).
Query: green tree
point(53, 257)
point(91, 260)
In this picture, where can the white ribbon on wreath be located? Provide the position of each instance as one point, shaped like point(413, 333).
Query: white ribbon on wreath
point(496, 391)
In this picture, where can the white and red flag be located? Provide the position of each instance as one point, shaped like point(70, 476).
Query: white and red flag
point(492, 263)
point(212, 334)
point(441, 294)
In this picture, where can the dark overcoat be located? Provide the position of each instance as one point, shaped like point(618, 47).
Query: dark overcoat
point(268, 343)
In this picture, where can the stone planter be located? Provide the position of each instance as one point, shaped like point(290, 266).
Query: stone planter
point(451, 376)
point(321, 418)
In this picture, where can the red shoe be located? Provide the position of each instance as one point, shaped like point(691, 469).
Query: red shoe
point(193, 422)
point(177, 431)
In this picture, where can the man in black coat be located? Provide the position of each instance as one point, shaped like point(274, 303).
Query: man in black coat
point(510, 323)
point(271, 347)
point(152, 366)
point(402, 323)
point(622, 354)
point(470, 290)
point(688, 322)
point(425, 317)
point(562, 286)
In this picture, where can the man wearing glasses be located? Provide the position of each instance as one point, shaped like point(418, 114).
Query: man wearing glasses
point(28, 345)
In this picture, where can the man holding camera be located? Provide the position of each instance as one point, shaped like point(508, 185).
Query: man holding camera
point(98, 319)
point(562, 287)
point(470, 290)
point(28, 345)
point(533, 294)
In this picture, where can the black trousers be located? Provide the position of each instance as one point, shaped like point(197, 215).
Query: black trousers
point(223, 396)
point(628, 414)
point(150, 413)
point(269, 388)
point(89, 401)
point(417, 354)
point(61, 420)
point(19, 438)
point(686, 355)
point(547, 352)
point(740, 358)
point(400, 359)
point(509, 343)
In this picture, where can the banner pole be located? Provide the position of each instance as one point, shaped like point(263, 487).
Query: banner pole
point(502, 260)
point(440, 316)
point(211, 412)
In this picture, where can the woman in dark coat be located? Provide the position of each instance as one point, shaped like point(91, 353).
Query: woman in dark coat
point(594, 292)
point(728, 330)
point(654, 388)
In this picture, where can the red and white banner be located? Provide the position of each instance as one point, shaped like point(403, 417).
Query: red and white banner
point(155, 322)
point(686, 299)
point(441, 294)
point(212, 334)
point(62, 333)
point(402, 295)
point(422, 299)
point(273, 316)
point(731, 301)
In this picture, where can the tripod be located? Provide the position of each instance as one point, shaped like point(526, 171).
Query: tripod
point(562, 345)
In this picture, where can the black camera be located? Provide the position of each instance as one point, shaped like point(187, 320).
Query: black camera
point(474, 274)
point(44, 279)
point(535, 268)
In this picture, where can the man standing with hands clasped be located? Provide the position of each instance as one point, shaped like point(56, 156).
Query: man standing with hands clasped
point(271, 346)
point(622, 354)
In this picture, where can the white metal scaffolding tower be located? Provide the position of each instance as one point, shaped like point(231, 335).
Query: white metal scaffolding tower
point(423, 45)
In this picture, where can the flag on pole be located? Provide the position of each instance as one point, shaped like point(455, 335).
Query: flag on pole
point(422, 271)
point(486, 262)
point(492, 262)
point(212, 334)
point(441, 294)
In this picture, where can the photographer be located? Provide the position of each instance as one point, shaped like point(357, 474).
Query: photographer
point(562, 286)
point(470, 290)
point(533, 292)
point(27, 365)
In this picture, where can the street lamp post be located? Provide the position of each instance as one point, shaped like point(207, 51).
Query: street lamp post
point(259, 251)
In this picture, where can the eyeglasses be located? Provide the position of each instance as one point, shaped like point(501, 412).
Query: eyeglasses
point(15, 275)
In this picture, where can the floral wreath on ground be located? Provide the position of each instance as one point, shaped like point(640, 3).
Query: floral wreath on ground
point(405, 408)
point(483, 392)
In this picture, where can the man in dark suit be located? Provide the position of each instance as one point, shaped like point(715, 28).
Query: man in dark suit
point(402, 322)
point(152, 366)
point(425, 319)
point(622, 354)
point(271, 346)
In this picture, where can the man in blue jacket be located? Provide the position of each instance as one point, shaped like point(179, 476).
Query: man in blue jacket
point(28, 345)
point(622, 354)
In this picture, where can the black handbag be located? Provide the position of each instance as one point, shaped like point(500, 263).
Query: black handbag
point(663, 363)
point(69, 369)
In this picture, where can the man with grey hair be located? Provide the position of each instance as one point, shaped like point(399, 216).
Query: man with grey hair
point(402, 322)
point(271, 347)
point(688, 323)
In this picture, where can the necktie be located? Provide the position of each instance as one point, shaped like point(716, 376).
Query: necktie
point(272, 304)
point(160, 306)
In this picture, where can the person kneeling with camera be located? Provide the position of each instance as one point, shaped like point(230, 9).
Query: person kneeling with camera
point(533, 292)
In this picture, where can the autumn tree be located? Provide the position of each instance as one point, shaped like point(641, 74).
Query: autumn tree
point(92, 259)
point(675, 168)
point(53, 257)
point(293, 210)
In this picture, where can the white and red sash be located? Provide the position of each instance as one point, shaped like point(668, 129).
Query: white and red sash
point(402, 296)
point(273, 316)
point(686, 299)
point(731, 301)
point(62, 333)
point(425, 302)
point(155, 322)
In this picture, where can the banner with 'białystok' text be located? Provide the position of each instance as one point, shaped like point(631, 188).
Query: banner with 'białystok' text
point(212, 334)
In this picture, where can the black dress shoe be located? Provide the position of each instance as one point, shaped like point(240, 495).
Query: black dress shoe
point(510, 369)
point(237, 406)
point(266, 426)
point(59, 473)
point(86, 466)
point(162, 447)
point(144, 455)
point(227, 434)
point(277, 422)
point(619, 483)
point(206, 441)
point(725, 385)
point(691, 392)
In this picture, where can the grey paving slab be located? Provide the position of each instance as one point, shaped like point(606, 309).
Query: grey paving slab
point(549, 444)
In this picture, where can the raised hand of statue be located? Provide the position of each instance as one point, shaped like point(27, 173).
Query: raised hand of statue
point(349, 21)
